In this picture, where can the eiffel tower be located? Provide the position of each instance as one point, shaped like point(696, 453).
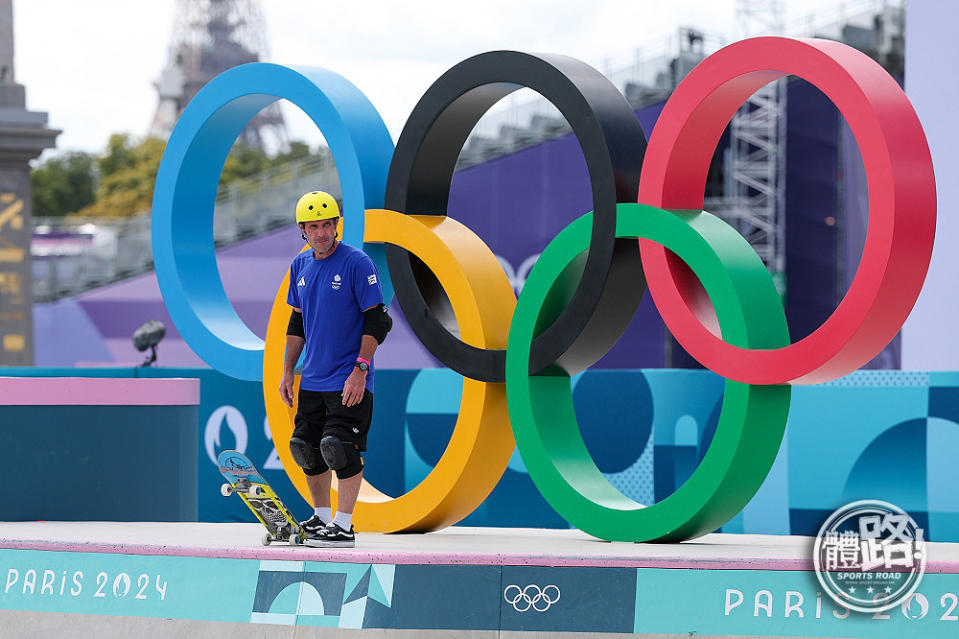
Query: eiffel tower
point(209, 37)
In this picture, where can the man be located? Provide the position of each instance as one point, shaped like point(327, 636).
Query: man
point(339, 317)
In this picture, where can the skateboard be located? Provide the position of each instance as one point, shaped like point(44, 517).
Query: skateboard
point(245, 480)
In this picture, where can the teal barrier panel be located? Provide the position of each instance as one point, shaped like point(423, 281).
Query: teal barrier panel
point(116, 449)
point(232, 416)
point(127, 585)
point(573, 599)
point(872, 434)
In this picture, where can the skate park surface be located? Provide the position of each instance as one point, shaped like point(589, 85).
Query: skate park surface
point(79, 579)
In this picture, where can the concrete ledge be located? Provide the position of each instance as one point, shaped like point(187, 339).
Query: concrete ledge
point(28, 625)
point(302, 594)
point(456, 545)
point(88, 391)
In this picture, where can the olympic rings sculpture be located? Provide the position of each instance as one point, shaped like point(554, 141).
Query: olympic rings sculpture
point(517, 356)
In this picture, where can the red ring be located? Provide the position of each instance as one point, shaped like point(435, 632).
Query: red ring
point(902, 204)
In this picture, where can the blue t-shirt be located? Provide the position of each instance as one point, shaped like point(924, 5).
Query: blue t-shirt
point(333, 293)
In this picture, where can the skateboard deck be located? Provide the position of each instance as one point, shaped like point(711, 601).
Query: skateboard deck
point(246, 481)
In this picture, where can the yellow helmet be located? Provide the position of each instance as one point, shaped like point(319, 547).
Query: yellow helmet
point(316, 205)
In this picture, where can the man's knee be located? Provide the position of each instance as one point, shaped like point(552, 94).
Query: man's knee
point(307, 457)
point(342, 457)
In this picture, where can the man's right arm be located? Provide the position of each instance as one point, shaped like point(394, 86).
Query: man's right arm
point(294, 347)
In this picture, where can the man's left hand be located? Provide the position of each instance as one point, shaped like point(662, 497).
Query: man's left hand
point(354, 388)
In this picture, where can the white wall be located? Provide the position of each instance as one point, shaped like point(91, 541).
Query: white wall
point(930, 337)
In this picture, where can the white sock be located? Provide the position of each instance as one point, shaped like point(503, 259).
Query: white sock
point(343, 520)
point(325, 513)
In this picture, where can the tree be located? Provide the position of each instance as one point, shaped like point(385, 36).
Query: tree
point(298, 151)
point(119, 182)
point(127, 172)
point(63, 185)
point(243, 162)
point(118, 155)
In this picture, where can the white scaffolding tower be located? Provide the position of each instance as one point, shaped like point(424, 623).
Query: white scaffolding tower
point(755, 175)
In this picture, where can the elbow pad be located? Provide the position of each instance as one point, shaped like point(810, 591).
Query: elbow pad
point(295, 327)
point(377, 323)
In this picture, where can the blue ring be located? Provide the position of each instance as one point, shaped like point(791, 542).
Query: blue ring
point(189, 175)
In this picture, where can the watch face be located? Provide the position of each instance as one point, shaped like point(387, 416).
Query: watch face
point(363, 366)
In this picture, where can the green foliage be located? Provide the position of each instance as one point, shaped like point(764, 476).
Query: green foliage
point(119, 182)
point(63, 185)
point(119, 154)
point(243, 162)
point(127, 172)
point(298, 151)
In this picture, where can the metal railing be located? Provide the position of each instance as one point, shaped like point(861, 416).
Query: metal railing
point(525, 118)
point(250, 207)
point(73, 254)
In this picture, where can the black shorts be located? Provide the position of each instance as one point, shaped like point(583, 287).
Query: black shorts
point(321, 413)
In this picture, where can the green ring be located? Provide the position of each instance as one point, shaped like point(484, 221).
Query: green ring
point(753, 417)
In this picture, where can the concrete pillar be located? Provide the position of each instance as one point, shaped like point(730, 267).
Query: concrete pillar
point(23, 136)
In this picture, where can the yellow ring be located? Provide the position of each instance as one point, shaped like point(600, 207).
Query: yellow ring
point(482, 442)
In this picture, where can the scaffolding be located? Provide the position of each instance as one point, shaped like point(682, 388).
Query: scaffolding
point(209, 37)
point(754, 190)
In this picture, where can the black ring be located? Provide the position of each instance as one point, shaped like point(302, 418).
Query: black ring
point(422, 169)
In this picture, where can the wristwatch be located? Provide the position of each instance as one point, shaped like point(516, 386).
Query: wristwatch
point(363, 366)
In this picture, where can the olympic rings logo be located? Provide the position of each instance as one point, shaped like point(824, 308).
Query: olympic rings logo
point(522, 601)
point(516, 355)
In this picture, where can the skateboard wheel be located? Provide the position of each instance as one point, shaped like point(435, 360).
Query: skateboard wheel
point(266, 540)
point(226, 490)
point(295, 540)
point(256, 491)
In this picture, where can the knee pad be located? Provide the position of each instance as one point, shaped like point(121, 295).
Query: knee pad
point(343, 457)
point(304, 454)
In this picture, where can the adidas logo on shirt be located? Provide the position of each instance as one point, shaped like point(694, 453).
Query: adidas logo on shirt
point(302, 282)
